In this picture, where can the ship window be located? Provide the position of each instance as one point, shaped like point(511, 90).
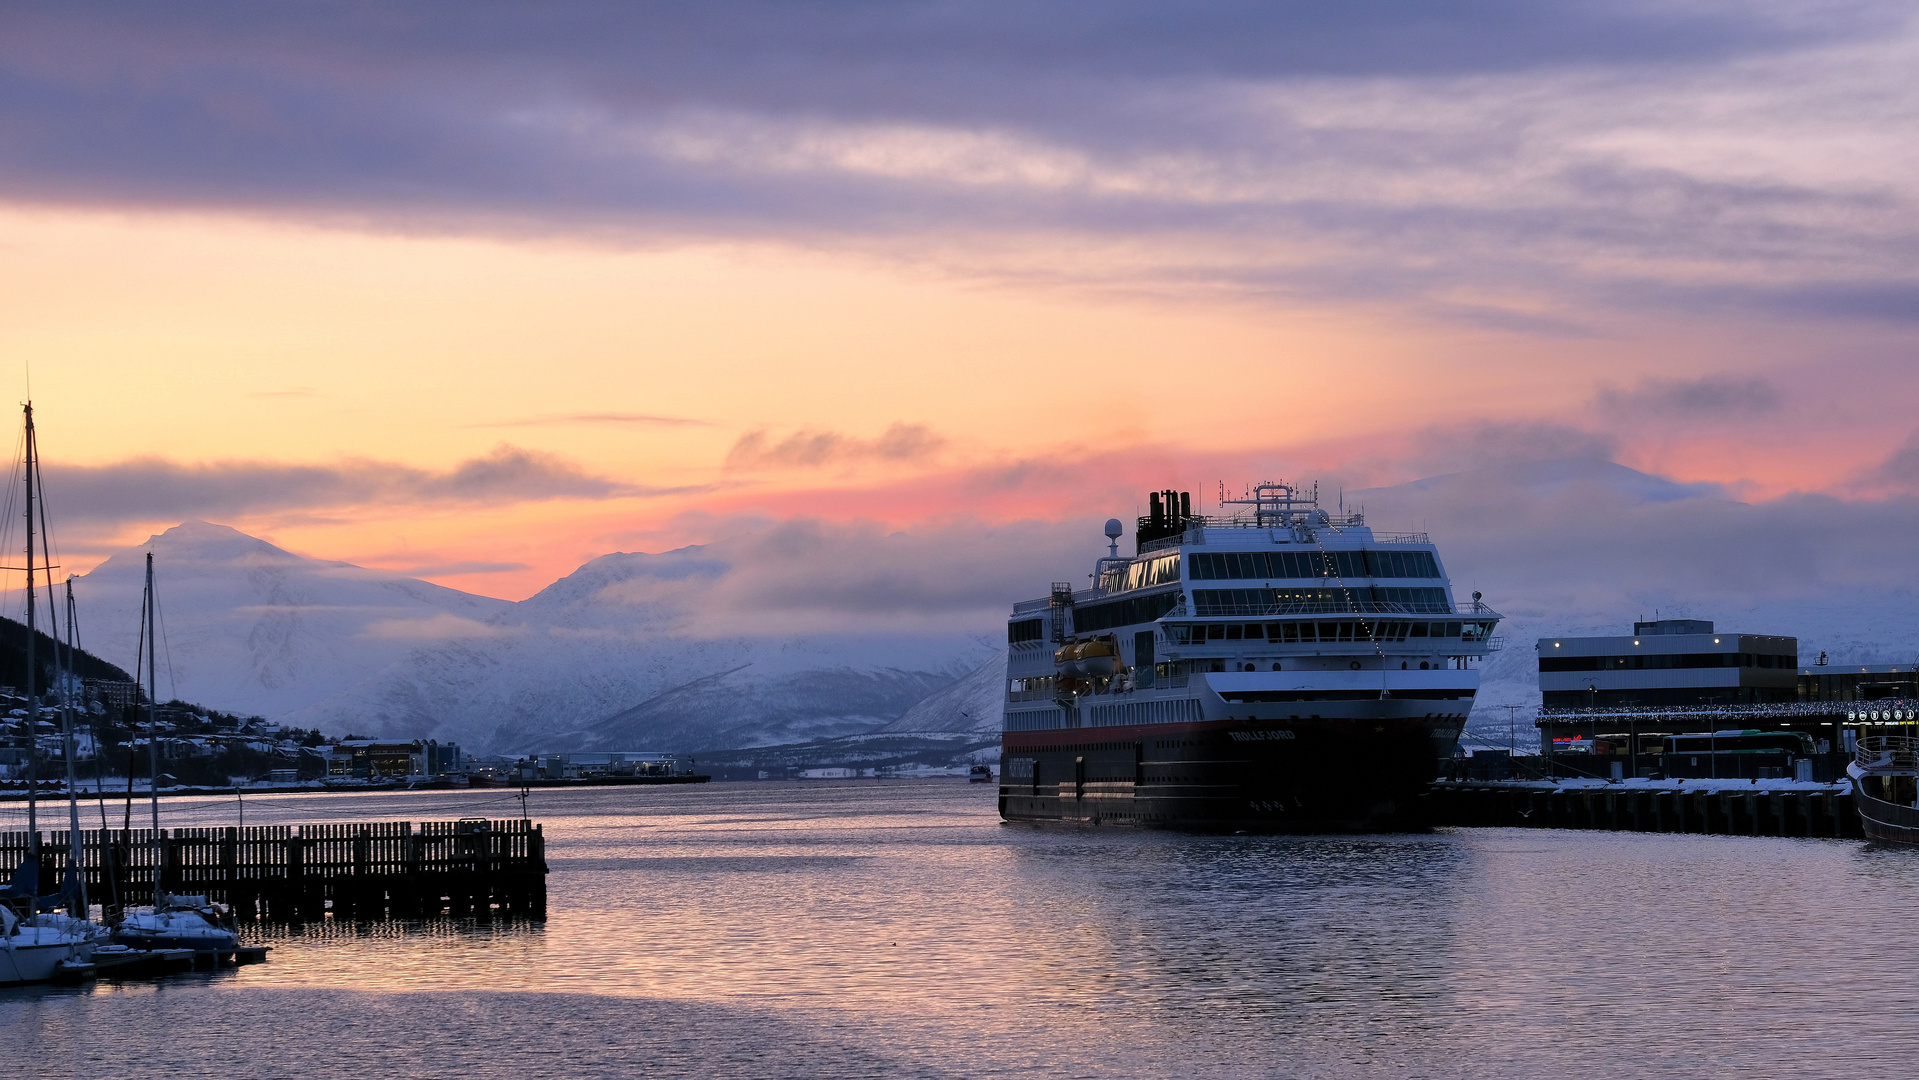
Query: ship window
point(1418, 629)
point(1329, 631)
point(1232, 632)
point(1215, 632)
point(1346, 631)
point(1292, 631)
point(1299, 565)
point(1138, 609)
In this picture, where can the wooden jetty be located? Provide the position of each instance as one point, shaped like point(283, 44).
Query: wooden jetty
point(302, 873)
point(1736, 809)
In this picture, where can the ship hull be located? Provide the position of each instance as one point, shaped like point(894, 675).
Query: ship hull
point(1366, 771)
point(1879, 818)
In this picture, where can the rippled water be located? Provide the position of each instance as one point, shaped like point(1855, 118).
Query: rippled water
point(900, 930)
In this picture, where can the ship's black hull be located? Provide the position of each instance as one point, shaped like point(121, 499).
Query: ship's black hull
point(1332, 775)
point(1881, 819)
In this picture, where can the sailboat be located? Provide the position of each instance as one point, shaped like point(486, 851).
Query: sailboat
point(173, 922)
point(35, 942)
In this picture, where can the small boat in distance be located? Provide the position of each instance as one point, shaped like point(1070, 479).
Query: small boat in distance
point(980, 774)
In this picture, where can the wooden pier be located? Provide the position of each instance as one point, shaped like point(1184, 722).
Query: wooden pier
point(1728, 810)
point(302, 873)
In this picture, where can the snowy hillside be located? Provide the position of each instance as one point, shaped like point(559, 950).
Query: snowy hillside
point(599, 658)
point(970, 706)
point(747, 706)
point(248, 627)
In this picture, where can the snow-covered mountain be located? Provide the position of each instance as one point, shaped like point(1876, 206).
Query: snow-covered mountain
point(599, 658)
point(249, 627)
point(971, 705)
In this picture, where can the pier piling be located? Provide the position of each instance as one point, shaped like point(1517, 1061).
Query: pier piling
point(1825, 811)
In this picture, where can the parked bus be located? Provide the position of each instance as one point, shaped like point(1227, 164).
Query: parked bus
point(1736, 754)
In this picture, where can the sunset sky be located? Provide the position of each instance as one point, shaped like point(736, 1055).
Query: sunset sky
point(479, 291)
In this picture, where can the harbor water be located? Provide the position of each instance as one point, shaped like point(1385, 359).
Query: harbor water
point(898, 929)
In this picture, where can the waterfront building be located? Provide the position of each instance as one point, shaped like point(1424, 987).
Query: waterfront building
point(582, 766)
point(373, 758)
point(1668, 663)
point(1680, 698)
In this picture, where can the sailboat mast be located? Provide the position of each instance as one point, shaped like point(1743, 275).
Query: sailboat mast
point(33, 698)
point(153, 714)
point(153, 748)
point(73, 774)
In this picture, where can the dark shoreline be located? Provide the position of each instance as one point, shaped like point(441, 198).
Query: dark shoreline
point(59, 794)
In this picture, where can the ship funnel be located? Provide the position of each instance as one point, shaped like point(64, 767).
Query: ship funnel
point(1168, 512)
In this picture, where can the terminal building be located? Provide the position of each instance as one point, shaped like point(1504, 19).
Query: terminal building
point(1679, 698)
point(1671, 662)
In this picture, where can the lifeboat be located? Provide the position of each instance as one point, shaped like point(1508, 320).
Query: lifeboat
point(1099, 656)
point(1066, 658)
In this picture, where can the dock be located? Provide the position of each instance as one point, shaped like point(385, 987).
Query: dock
point(1724, 808)
point(304, 873)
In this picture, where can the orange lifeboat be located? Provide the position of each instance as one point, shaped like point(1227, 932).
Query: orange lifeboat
point(1099, 656)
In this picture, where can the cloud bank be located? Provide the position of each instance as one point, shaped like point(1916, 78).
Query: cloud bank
point(148, 489)
point(1502, 163)
point(805, 449)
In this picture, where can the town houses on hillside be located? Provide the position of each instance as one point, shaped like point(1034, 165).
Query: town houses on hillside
point(116, 735)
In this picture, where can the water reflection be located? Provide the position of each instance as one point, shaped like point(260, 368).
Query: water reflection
point(900, 930)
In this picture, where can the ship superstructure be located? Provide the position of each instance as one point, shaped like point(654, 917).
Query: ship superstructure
point(1274, 666)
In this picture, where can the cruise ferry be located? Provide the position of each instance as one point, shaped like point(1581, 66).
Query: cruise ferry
point(1273, 667)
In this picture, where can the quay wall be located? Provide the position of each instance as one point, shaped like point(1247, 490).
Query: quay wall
point(303, 873)
point(1730, 810)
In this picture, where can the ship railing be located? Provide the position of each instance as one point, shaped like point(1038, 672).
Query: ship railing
point(1200, 525)
point(1888, 754)
point(1824, 711)
point(1357, 607)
